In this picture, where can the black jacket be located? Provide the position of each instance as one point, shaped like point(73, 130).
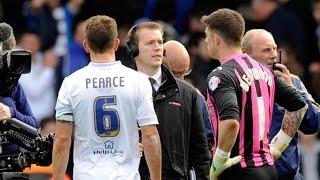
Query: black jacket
point(181, 129)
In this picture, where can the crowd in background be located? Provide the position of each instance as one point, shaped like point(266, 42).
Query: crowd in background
point(53, 31)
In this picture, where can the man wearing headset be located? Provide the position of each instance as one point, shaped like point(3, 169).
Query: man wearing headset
point(181, 128)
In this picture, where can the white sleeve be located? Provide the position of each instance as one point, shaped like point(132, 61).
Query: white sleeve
point(63, 105)
point(145, 112)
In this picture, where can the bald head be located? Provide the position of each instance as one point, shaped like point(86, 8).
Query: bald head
point(176, 58)
point(260, 45)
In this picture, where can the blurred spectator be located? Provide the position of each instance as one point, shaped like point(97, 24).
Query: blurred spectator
point(48, 126)
point(51, 14)
point(316, 16)
point(310, 149)
point(64, 19)
point(289, 58)
point(76, 58)
point(54, 22)
point(124, 11)
point(194, 26)
point(32, 10)
point(303, 9)
point(39, 84)
point(169, 32)
point(314, 70)
point(122, 53)
point(11, 12)
point(1, 10)
point(123, 30)
point(201, 63)
point(177, 15)
point(285, 26)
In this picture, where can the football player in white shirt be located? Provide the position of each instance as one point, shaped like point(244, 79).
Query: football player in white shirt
point(101, 105)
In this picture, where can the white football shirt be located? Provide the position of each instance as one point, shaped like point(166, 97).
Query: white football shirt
point(107, 100)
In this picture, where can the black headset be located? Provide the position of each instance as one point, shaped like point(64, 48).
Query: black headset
point(132, 45)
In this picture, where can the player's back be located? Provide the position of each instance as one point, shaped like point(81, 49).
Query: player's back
point(104, 98)
point(254, 86)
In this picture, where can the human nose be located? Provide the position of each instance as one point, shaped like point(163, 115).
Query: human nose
point(158, 46)
point(274, 55)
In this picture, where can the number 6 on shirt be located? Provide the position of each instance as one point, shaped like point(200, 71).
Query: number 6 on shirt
point(106, 118)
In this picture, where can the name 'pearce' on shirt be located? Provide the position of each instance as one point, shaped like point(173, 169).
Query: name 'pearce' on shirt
point(106, 82)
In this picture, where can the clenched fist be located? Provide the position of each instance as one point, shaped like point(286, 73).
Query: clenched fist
point(4, 112)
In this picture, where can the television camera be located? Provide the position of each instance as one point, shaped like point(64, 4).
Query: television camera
point(13, 63)
point(37, 149)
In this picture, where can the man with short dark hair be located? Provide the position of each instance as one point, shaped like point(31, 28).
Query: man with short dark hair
point(240, 100)
point(101, 104)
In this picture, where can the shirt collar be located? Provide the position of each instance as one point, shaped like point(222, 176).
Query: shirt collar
point(104, 64)
point(234, 56)
point(157, 77)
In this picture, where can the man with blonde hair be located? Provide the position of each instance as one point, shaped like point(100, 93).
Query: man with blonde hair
point(181, 129)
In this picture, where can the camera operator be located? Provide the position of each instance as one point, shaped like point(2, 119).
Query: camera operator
point(13, 103)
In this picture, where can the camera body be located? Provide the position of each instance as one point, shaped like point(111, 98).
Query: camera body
point(38, 148)
point(16, 61)
point(13, 63)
